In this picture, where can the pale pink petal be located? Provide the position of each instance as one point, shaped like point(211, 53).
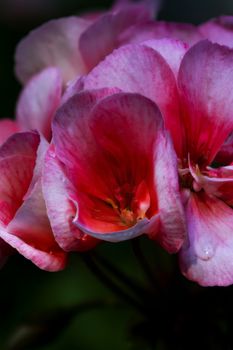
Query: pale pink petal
point(205, 85)
point(102, 37)
point(58, 189)
point(171, 50)
point(55, 43)
point(187, 33)
point(172, 219)
point(219, 30)
point(140, 69)
point(7, 128)
point(39, 101)
point(207, 255)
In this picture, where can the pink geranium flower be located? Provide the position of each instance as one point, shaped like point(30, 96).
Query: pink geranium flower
point(24, 224)
point(107, 170)
point(197, 109)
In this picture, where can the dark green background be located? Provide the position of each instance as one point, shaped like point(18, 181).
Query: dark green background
point(25, 291)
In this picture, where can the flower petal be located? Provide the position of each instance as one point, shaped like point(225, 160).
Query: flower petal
point(205, 85)
point(207, 255)
point(7, 128)
point(217, 182)
point(93, 146)
point(170, 49)
point(23, 219)
point(39, 101)
point(58, 189)
point(225, 154)
point(140, 69)
point(185, 32)
point(55, 43)
point(219, 30)
point(102, 37)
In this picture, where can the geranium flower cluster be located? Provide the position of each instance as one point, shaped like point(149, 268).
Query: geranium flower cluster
point(123, 128)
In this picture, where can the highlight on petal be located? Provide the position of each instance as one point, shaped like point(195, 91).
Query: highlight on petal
point(39, 100)
point(219, 30)
point(54, 43)
point(24, 224)
point(7, 128)
point(114, 180)
point(204, 83)
point(207, 255)
point(140, 69)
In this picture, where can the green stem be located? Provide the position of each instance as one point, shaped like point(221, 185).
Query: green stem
point(114, 287)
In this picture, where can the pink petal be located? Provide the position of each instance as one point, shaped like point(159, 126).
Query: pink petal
point(187, 33)
point(58, 189)
point(39, 101)
point(24, 223)
point(140, 69)
point(16, 172)
point(219, 30)
point(171, 50)
point(173, 227)
point(94, 148)
point(207, 255)
point(55, 43)
point(7, 128)
point(102, 37)
point(205, 85)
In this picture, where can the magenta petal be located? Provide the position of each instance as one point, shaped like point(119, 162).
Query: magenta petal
point(204, 82)
point(140, 69)
point(55, 43)
point(207, 255)
point(39, 101)
point(219, 30)
point(225, 154)
point(7, 128)
point(91, 140)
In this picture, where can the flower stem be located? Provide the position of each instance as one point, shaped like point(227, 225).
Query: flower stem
point(108, 282)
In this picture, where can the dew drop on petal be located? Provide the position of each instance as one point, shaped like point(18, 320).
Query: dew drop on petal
point(206, 253)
